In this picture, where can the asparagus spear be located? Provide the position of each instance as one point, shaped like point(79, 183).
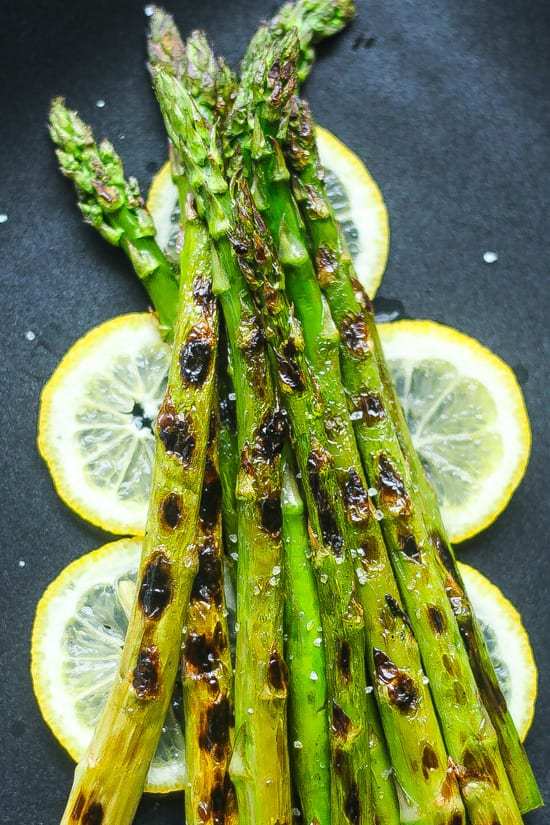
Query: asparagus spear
point(518, 768)
point(113, 205)
point(341, 619)
point(207, 662)
point(408, 716)
point(467, 729)
point(109, 779)
point(207, 670)
point(259, 765)
point(308, 723)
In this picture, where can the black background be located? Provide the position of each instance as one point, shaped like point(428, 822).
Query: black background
point(448, 103)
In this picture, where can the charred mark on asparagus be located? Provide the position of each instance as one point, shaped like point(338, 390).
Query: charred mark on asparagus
point(444, 553)
point(352, 806)
point(317, 460)
point(396, 610)
point(78, 806)
point(271, 515)
point(290, 374)
point(252, 338)
point(344, 660)
point(355, 334)
point(202, 293)
point(430, 762)
point(175, 430)
point(479, 768)
point(402, 691)
point(409, 547)
point(281, 79)
point(214, 737)
point(202, 653)
point(170, 511)
point(93, 815)
point(326, 264)
point(369, 553)
point(437, 619)
point(146, 673)
point(196, 355)
point(372, 408)
point(341, 723)
point(339, 760)
point(207, 586)
point(155, 591)
point(271, 435)
point(210, 505)
point(277, 671)
point(222, 801)
point(355, 497)
point(392, 488)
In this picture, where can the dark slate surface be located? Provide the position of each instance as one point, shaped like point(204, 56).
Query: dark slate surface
point(449, 107)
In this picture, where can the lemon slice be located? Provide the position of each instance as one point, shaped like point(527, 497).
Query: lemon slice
point(354, 194)
point(77, 637)
point(508, 645)
point(96, 417)
point(467, 419)
point(79, 630)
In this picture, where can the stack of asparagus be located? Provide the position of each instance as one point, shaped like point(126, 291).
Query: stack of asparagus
point(361, 690)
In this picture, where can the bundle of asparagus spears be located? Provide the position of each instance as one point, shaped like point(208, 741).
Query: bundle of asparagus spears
point(360, 689)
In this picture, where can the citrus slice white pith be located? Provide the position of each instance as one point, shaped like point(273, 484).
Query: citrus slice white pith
point(467, 418)
point(95, 420)
point(354, 194)
point(508, 644)
point(78, 633)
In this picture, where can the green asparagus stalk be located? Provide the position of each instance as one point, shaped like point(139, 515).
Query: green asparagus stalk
point(207, 672)
point(468, 732)
point(113, 205)
point(341, 619)
point(110, 777)
point(415, 744)
point(211, 85)
point(308, 722)
point(259, 765)
point(518, 768)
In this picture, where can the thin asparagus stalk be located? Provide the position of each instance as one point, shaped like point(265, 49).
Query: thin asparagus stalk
point(211, 85)
point(113, 205)
point(468, 732)
point(518, 768)
point(207, 660)
point(207, 670)
point(259, 766)
point(305, 654)
point(342, 630)
point(109, 779)
point(417, 752)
